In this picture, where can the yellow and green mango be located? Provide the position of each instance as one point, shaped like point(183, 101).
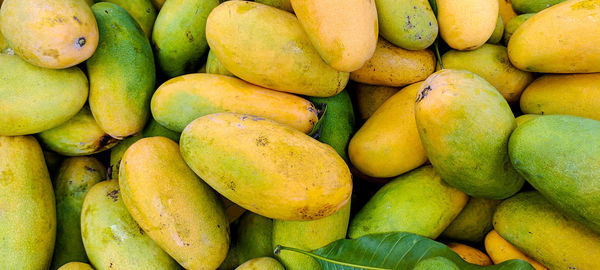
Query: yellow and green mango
point(263, 263)
point(498, 31)
point(214, 66)
point(473, 222)
point(280, 4)
point(532, 6)
point(76, 266)
point(410, 24)
point(514, 24)
point(142, 11)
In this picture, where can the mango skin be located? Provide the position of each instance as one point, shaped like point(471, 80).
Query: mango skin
point(280, 4)
point(456, 109)
point(388, 144)
point(178, 36)
point(3, 43)
point(506, 11)
point(498, 31)
point(264, 263)
point(172, 205)
point(180, 100)
point(514, 24)
point(243, 157)
point(142, 11)
point(121, 73)
point(281, 56)
point(50, 34)
point(534, 226)
point(370, 97)
point(535, 6)
point(27, 242)
point(501, 250)
point(417, 202)
point(308, 235)
point(467, 24)
point(111, 237)
point(473, 222)
point(394, 66)
point(566, 173)
point(410, 25)
point(214, 66)
point(559, 39)
point(573, 94)
point(76, 266)
point(34, 99)
point(254, 237)
point(470, 255)
point(522, 119)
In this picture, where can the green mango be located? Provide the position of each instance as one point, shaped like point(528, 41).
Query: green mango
point(76, 266)
point(251, 238)
point(121, 73)
point(498, 32)
point(408, 24)
point(513, 24)
point(532, 6)
point(473, 222)
point(142, 11)
point(559, 155)
point(34, 99)
point(28, 220)
point(264, 263)
point(178, 36)
point(111, 237)
point(417, 202)
point(75, 177)
point(213, 66)
point(280, 4)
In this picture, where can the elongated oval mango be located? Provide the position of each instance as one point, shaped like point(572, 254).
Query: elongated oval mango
point(501, 250)
point(34, 99)
point(467, 24)
point(142, 11)
point(172, 205)
point(266, 167)
point(533, 6)
point(470, 254)
point(282, 57)
point(180, 100)
point(409, 24)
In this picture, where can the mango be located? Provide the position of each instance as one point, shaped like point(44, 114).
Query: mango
point(566, 173)
point(266, 167)
point(180, 100)
point(254, 236)
point(370, 97)
point(76, 266)
point(50, 34)
point(514, 24)
point(34, 99)
point(506, 11)
point(498, 32)
point(522, 119)
point(473, 222)
point(79, 136)
point(417, 202)
point(111, 237)
point(232, 210)
point(467, 24)
point(388, 144)
point(3, 43)
point(142, 11)
point(178, 36)
point(172, 205)
point(573, 94)
point(308, 235)
point(280, 4)
point(264, 263)
point(394, 66)
point(492, 64)
point(121, 73)
point(75, 177)
point(470, 255)
point(28, 223)
point(464, 124)
point(214, 66)
point(410, 25)
point(158, 4)
point(281, 56)
point(536, 227)
point(559, 39)
point(501, 250)
point(533, 6)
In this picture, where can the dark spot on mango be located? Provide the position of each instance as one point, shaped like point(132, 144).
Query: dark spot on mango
point(189, 36)
point(262, 141)
point(105, 140)
point(423, 93)
point(231, 185)
point(114, 195)
point(51, 52)
point(89, 169)
point(409, 24)
point(76, 19)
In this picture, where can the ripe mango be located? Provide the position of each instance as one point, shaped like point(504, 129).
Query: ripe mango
point(533, 6)
point(501, 250)
point(281, 55)
point(214, 66)
point(180, 100)
point(172, 205)
point(473, 222)
point(506, 11)
point(266, 167)
point(536, 227)
point(34, 99)
point(264, 263)
point(50, 34)
point(142, 11)
point(514, 24)
point(280, 4)
point(464, 124)
point(573, 94)
point(28, 223)
point(407, 24)
point(470, 255)
point(522, 119)
point(121, 73)
point(76, 266)
point(370, 97)
point(3, 42)
point(467, 24)
point(567, 173)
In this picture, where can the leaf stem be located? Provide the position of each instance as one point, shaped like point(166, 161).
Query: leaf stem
point(279, 248)
point(437, 52)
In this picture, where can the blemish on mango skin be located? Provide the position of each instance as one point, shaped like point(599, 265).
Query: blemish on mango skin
point(588, 4)
point(262, 141)
point(423, 93)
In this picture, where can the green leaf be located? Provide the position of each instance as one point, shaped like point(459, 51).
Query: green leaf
point(436, 43)
point(433, 4)
point(391, 251)
point(316, 132)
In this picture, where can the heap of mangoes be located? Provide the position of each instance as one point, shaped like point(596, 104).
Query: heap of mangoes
point(201, 134)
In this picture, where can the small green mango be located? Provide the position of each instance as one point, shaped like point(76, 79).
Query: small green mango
point(408, 24)
point(532, 6)
point(498, 32)
point(251, 238)
point(214, 66)
point(512, 25)
point(473, 222)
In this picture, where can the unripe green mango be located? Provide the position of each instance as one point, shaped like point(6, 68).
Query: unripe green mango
point(473, 222)
point(111, 237)
point(559, 155)
point(178, 36)
point(512, 25)
point(264, 263)
point(28, 223)
point(532, 6)
point(251, 238)
point(142, 11)
point(121, 73)
point(75, 177)
point(498, 31)
point(214, 66)
point(34, 99)
point(76, 266)
point(418, 202)
point(407, 24)
point(280, 4)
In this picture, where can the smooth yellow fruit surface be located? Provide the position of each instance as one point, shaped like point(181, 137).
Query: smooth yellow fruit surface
point(467, 24)
point(370, 97)
point(506, 11)
point(470, 255)
point(76, 266)
point(262, 263)
point(408, 24)
point(501, 250)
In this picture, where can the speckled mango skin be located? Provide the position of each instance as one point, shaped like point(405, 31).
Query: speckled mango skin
point(266, 167)
point(111, 237)
point(214, 66)
point(501, 250)
point(28, 224)
point(172, 205)
point(464, 124)
point(470, 254)
point(534, 226)
point(473, 222)
point(76, 266)
point(559, 39)
point(263, 263)
point(267, 46)
point(121, 73)
point(408, 24)
point(467, 24)
point(280, 4)
point(50, 34)
point(142, 11)
point(34, 99)
point(180, 100)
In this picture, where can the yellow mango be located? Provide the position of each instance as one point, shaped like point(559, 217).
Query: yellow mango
point(467, 24)
point(3, 43)
point(172, 205)
point(76, 266)
point(506, 11)
point(526, 118)
point(180, 100)
point(344, 32)
point(388, 144)
point(50, 34)
point(573, 94)
point(470, 255)
point(501, 250)
point(266, 167)
point(370, 97)
point(394, 66)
